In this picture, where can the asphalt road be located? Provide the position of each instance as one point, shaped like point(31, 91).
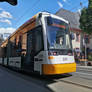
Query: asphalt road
point(12, 81)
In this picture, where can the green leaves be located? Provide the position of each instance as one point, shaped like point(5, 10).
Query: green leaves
point(86, 19)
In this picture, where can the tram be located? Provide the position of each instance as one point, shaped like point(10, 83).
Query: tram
point(41, 45)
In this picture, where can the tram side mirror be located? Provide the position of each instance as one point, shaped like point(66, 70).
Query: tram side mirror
point(12, 2)
point(72, 37)
point(49, 20)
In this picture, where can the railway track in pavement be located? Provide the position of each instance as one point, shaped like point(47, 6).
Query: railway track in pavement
point(74, 80)
point(64, 79)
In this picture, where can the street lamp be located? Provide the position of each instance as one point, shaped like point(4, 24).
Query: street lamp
point(12, 2)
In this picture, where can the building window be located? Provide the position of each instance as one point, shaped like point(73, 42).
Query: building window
point(72, 35)
point(87, 39)
point(77, 37)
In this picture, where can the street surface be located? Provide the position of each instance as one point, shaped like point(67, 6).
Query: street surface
point(84, 72)
point(12, 81)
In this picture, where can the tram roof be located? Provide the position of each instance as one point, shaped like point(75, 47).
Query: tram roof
point(29, 21)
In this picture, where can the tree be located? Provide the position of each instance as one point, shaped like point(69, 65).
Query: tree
point(89, 17)
point(83, 19)
point(86, 18)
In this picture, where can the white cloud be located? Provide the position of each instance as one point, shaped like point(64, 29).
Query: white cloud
point(7, 30)
point(67, 2)
point(5, 14)
point(64, 0)
point(60, 4)
point(6, 21)
point(1, 9)
point(79, 10)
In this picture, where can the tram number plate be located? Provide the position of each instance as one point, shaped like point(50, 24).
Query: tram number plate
point(65, 59)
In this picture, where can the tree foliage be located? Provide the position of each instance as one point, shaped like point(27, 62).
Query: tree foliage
point(86, 18)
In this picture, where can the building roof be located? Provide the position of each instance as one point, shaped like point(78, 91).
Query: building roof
point(72, 17)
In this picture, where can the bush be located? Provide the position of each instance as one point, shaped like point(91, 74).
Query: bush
point(90, 57)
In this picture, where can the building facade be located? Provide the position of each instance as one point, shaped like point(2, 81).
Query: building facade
point(82, 42)
point(73, 19)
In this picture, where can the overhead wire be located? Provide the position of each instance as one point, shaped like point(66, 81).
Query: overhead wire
point(77, 6)
point(32, 7)
point(26, 11)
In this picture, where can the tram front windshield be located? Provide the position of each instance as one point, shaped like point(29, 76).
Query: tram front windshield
point(58, 35)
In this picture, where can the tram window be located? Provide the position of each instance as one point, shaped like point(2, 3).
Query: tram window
point(38, 40)
point(20, 42)
point(77, 37)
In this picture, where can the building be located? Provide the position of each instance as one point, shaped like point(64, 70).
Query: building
point(1, 38)
point(82, 43)
point(73, 19)
point(6, 35)
point(87, 40)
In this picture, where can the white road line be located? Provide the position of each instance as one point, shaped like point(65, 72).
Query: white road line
point(85, 67)
point(83, 73)
point(85, 70)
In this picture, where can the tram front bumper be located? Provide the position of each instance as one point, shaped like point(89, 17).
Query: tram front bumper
point(52, 69)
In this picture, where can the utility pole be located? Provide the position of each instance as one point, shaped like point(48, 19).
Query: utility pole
point(86, 41)
point(85, 53)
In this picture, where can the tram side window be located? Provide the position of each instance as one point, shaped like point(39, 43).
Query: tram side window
point(38, 40)
point(19, 43)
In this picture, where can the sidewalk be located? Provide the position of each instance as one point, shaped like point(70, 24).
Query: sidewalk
point(79, 81)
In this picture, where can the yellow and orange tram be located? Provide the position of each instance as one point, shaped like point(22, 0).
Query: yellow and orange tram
point(42, 45)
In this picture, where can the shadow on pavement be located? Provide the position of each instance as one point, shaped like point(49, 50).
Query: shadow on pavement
point(41, 80)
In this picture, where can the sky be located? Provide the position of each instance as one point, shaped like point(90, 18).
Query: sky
point(12, 17)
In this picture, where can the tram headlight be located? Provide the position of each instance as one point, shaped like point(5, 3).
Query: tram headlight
point(70, 53)
point(52, 53)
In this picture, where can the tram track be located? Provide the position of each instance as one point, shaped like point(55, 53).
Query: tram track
point(45, 80)
point(76, 84)
point(72, 82)
point(84, 70)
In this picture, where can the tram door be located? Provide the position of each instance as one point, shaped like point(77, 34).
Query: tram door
point(30, 50)
point(34, 45)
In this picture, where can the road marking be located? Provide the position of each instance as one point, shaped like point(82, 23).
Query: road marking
point(85, 70)
point(83, 73)
point(85, 67)
point(74, 83)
